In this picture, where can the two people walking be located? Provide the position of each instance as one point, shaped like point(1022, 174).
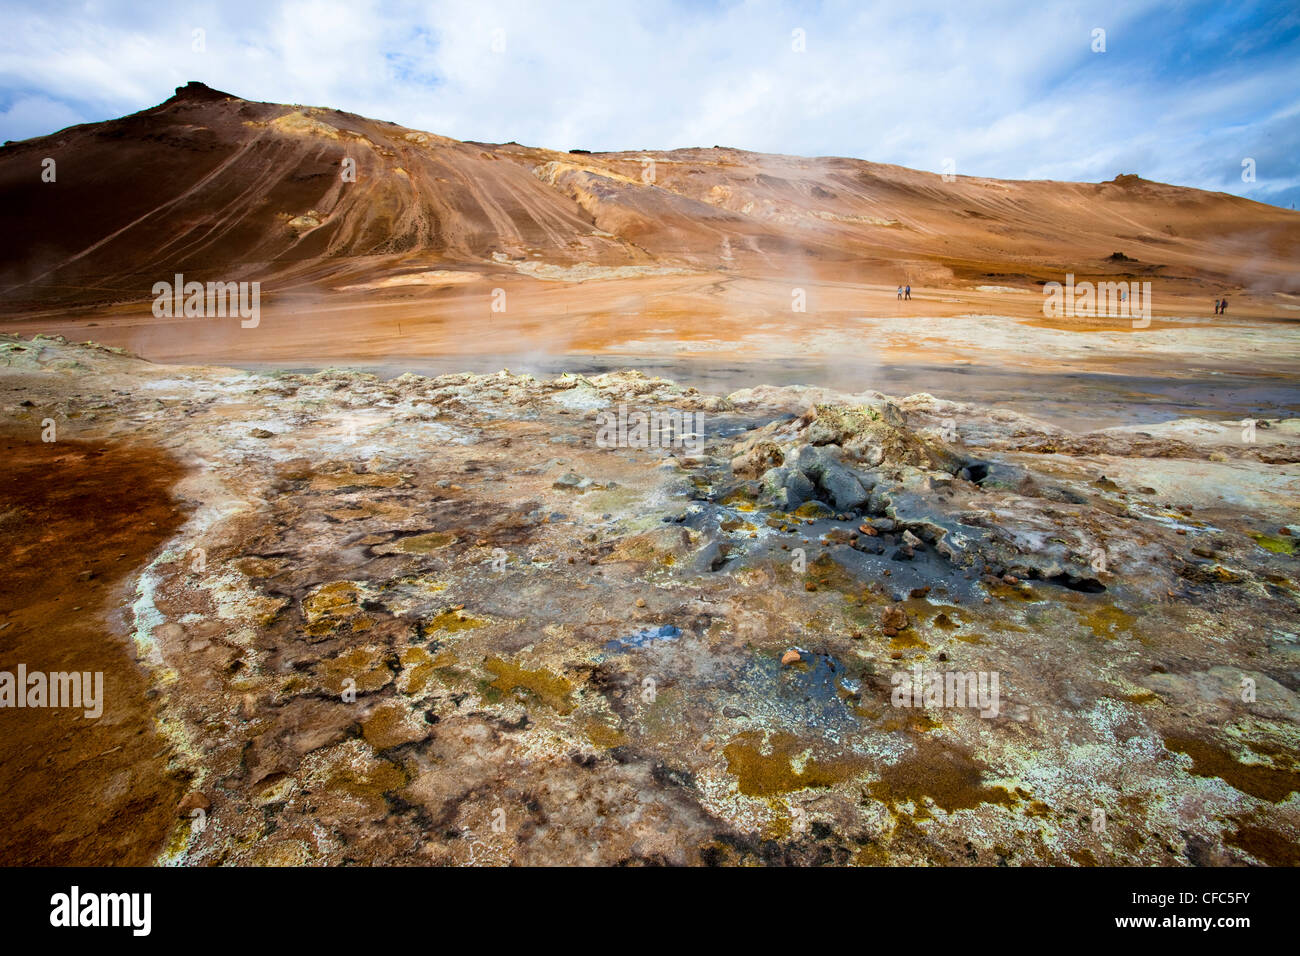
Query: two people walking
point(905, 292)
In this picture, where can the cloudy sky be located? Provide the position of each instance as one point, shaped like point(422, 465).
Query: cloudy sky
point(1183, 92)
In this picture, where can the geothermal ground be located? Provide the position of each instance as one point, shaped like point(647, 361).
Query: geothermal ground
point(348, 619)
point(418, 609)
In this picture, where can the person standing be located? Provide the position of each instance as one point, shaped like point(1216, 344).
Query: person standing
point(900, 293)
point(1223, 307)
point(1217, 303)
point(907, 293)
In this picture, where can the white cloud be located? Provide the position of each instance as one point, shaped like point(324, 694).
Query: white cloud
point(1009, 90)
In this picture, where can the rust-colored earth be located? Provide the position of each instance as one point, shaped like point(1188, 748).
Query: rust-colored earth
point(426, 246)
point(78, 519)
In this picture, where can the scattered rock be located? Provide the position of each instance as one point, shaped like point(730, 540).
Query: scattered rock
point(895, 616)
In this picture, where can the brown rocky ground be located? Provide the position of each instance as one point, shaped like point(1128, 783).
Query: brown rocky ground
point(432, 620)
point(79, 519)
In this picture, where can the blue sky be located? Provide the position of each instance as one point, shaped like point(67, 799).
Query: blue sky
point(1183, 92)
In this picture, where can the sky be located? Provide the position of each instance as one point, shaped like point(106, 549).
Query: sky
point(1197, 94)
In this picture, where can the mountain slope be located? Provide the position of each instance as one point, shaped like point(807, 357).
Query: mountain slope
point(218, 187)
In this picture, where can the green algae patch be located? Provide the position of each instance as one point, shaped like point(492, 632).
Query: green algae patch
point(551, 689)
point(907, 640)
point(784, 765)
point(363, 665)
point(369, 783)
point(1277, 545)
point(453, 622)
point(944, 774)
point(424, 543)
point(814, 509)
point(1107, 622)
point(657, 546)
point(333, 605)
point(339, 480)
point(915, 721)
point(742, 499)
point(604, 736)
point(254, 567)
point(1015, 592)
point(1258, 780)
point(417, 669)
point(825, 574)
point(945, 622)
point(392, 725)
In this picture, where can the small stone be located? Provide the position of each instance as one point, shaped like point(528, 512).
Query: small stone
point(261, 433)
point(640, 602)
point(809, 586)
point(895, 617)
point(790, 657)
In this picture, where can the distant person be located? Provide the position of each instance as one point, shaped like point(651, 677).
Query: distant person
point(1217, 303)
point(900, 292)
point(907, 293)
point(1223, 307)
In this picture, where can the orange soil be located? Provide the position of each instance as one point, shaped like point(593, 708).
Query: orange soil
point(77, 520)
